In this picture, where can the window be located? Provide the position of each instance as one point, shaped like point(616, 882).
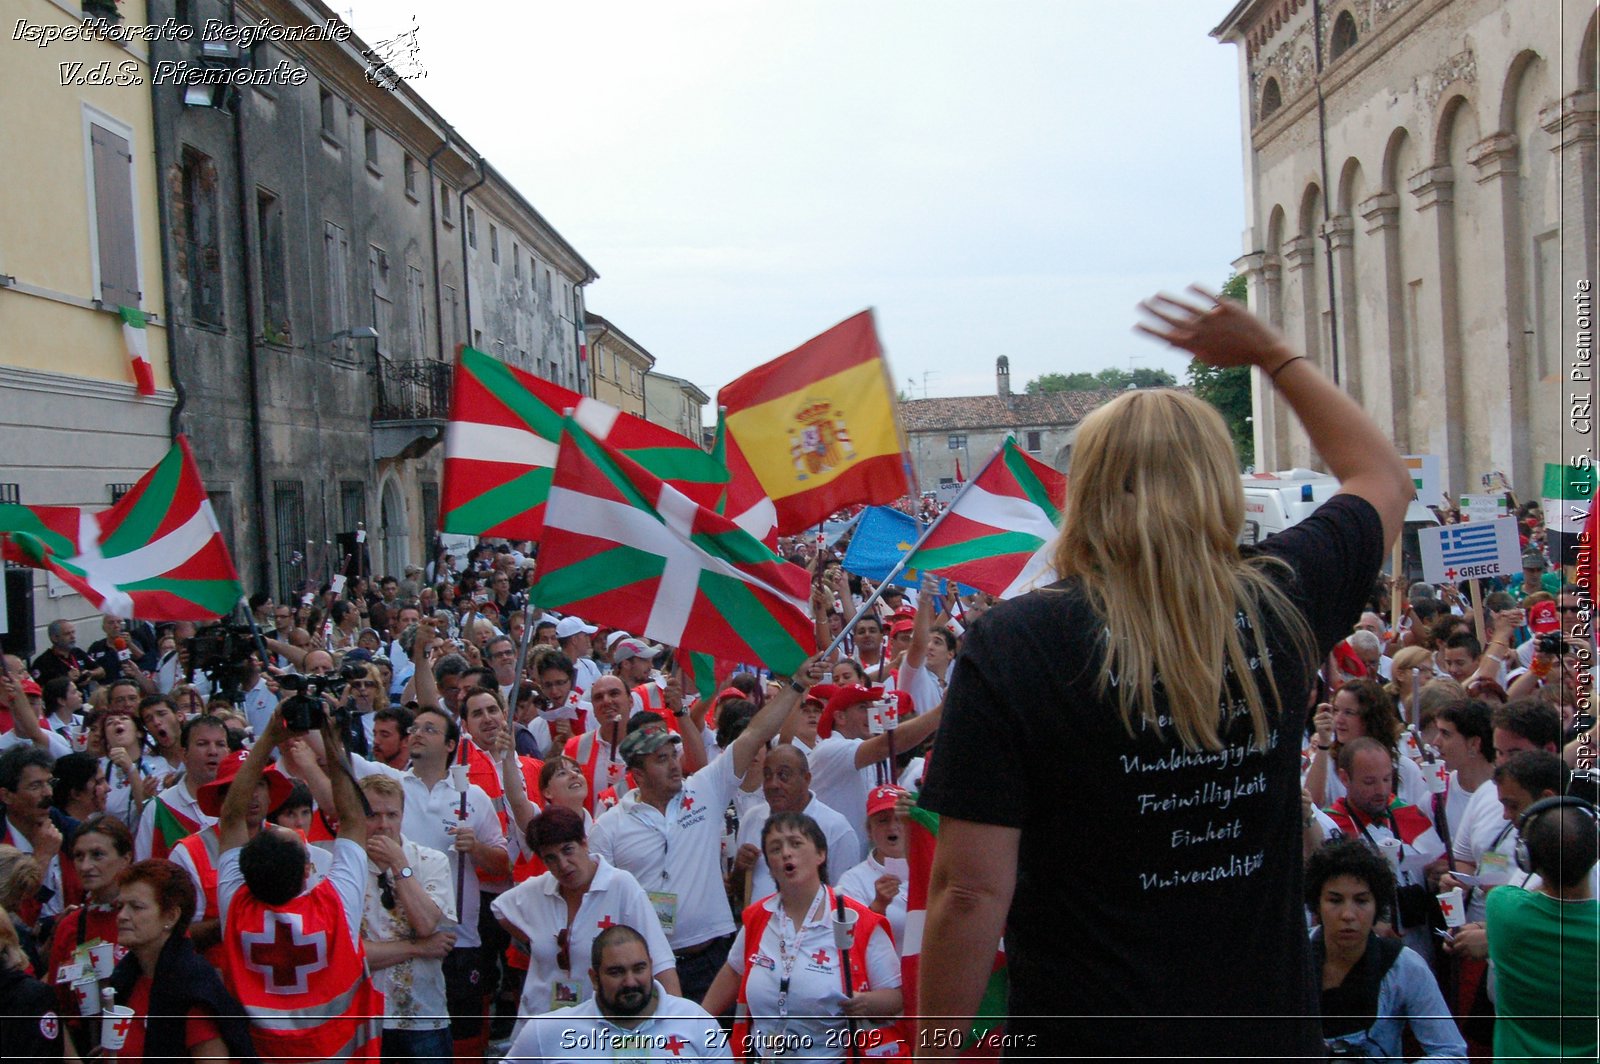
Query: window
point(273, 268)
point(452, 317)
point(202, 256)
point(472, 228)
point(289, 511)
point(516, 260)
point(336, 261)
point(430, 512)
point(444, 203)
point(477, 339)
point(416, 311)
point(352, 505)
point(494, 244)
point(1344, 35)
point(117, 491)
point(544, 285)
point(1034, 440)
point(1271, 98)
point(411, 175)
point(947, 482)
point(369, 137)
point(957, 442)
point(382, 302)
point(111, 162)
point(11, 494)
point(329, 115)
point(222, 509)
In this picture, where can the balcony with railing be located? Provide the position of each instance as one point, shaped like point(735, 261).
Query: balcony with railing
point(411, 405)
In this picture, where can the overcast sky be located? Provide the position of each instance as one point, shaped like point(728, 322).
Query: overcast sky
point(993, 176)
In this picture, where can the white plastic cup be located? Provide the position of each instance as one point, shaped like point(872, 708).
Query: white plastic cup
point(458, 778)
point(104, 959)
point(87, 993)
point(844, 931)
point(80, 739)
point(1453, 904)
point(1409, 746)
point(1392, 849)
point(114, 1025)
point(1437, 777)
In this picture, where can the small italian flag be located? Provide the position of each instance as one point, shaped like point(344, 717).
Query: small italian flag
point(171, 827)
point(134, 335)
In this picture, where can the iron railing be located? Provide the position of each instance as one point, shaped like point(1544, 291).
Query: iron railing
point(413, 390)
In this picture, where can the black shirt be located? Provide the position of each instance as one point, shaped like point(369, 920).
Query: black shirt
point(1153, 881)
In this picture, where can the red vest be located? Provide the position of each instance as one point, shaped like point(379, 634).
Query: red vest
point(203, 848)
point(484, 771)
point(301, 979)
point(654, 699)
point(586, 752)
point(884, 1043)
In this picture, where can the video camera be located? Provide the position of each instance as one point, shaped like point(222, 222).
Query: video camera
point(304, 711)
point(222, 651)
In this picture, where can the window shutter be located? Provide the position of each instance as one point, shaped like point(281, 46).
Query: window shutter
point(113, 205)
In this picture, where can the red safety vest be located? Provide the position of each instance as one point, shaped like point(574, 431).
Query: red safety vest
point(204, 848)
point(881, 1043)
point(302, 979)
point(586, 752)
point(484, 771)
point(655, 700)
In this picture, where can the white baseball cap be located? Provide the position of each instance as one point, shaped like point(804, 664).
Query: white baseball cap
point(571, 626)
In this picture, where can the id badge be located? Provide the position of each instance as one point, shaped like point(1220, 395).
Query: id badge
point(630, 1049)
point(1494, 869)
point(666, 907)
point(564, 994)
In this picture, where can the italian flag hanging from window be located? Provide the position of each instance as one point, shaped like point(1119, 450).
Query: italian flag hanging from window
point(157, 554)
point(137, 339)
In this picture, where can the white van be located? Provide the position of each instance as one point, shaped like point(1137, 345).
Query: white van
point(1276, 501)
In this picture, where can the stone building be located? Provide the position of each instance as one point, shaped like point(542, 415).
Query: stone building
point(79, 237)
point(619, 366)
point(968, 429)
point(1420, 199)
point(329, 241)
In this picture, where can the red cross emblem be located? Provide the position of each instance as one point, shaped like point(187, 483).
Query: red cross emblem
point(820, 958)
point(605, 922)
point(284, 954)
point(1450, 574)
point(675, 1044)
point(122, 1026)
point(1446, 908)
point(688, 803)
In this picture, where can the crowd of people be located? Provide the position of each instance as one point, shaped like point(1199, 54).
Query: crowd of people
point(422, 819)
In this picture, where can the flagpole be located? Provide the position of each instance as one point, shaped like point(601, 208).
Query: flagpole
point(900, 566)
point(522, 652)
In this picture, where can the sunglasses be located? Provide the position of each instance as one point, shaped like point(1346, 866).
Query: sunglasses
point(386, 892)
point(563, 956)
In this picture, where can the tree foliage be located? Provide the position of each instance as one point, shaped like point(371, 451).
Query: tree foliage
point(1110, 377)
point(1229, 389)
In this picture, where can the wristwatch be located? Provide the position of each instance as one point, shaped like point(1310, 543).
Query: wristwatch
point(406, 872)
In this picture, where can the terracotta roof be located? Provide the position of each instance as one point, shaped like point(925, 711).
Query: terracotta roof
point(992, 411)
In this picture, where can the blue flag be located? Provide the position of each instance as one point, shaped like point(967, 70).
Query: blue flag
point(884, 535)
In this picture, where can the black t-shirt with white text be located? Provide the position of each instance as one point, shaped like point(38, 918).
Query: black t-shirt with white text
point(1158, 906)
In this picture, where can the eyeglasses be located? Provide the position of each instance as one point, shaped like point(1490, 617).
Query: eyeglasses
point(563, 956)
point(363, 683)
point(424, 729)
point(504, 654)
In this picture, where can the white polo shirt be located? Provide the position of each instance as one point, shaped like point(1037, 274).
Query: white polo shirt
point(430, 814)
point(678, 1030)
point(537, 909)
point(844, 845)
point(837, 782)
point(1486, 838)
point(815, 1003)
point(861, 884)
point(676, 856)
point(180, 800)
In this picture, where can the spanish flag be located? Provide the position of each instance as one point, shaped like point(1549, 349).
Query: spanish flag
point(817, 426)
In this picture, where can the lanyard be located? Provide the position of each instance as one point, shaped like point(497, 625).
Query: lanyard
point(787, 955)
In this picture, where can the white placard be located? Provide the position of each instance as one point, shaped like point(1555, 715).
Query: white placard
point(337, 584)
point(1483, 507)
point(1424, 470)
point(1452, 553)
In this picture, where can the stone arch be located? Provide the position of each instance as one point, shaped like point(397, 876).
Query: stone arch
point(1444, 126)
point(1350, 189)
point(1392, 179)
point(1310, 215)
point(1517, 74)
point(394, 524)
point(1271, 98)
point(1275, 220)
point(1344, 35)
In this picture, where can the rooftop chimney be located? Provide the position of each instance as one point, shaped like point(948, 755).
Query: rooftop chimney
point(1002, 376)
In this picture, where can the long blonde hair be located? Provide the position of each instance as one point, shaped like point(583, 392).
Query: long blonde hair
point(1150, 530)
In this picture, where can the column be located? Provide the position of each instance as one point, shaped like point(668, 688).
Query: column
point(1381, 216)
point(1439, 324)
point(1500, 366)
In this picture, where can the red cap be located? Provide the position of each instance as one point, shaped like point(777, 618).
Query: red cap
point(819, 694)
point(901, 626)
point(1544, 618)
point(209, 796)
point(1348, 660)
point(843, 697)
point(727, 693)
point(30, 686)
point(881, 798)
